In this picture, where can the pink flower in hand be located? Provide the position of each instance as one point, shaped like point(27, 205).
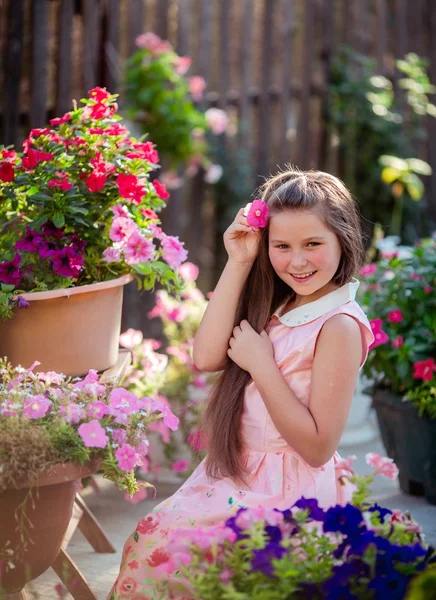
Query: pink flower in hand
point(126, 457)
point(36, 407)
point(257, 213)
point(383, 466)
point(93, 434)
point(423, 369)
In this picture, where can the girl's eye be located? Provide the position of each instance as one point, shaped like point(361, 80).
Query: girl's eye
point(313, 244)
point(282, 246)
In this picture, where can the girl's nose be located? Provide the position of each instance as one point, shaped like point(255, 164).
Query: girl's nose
point(298, 261)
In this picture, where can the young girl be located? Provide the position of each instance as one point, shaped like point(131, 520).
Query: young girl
point(285, 329)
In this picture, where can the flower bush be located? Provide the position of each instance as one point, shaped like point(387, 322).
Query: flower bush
point(357, 551)
point(172, 376)
point(78, 206)
point(161, 100)
point(46, 419)
point(399, 297)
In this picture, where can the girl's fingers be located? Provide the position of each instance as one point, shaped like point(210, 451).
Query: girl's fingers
point(241, 227)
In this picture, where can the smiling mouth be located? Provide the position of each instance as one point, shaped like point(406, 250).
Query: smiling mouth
point(303, 276)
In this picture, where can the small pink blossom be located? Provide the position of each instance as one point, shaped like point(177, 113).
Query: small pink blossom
point(197, 85)
point(415, 276)
point(257, 214)
point(97, 410)
point(37, 407)
point(389, 254)
point(180, 466)
point(51, 377)
point(171, 180)
point(368, 269)
point(137, 497)
point(138, 249)
point(93, 434)
point(188, 271)
point(123, 401)
point(72, 413)
point(197, 440)
point(217, 120)
point(346, 465)
point(397, 342)
point(173, 251)
point(380, 337)
point(213, 174)
point(423, 369)
point(120, 211)
point(383, 466)
point(112, 255)
point(126, 457)
point(428, 289)
point(119, 436)
point(395, 316)
point(131, 338)
point(122, 228)
point(182, 65)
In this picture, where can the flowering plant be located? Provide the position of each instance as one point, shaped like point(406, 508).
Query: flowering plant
point(162, 101)
point(399, 297)
point(47, 419)
point(357, 551)
point(172, 376)
point(78, 206)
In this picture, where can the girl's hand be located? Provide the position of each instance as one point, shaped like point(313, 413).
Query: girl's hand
point(248, 348)
point(242, 241)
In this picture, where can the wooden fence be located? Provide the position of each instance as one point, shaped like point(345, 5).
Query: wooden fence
point(267, 62)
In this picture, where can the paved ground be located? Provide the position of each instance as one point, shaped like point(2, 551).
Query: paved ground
point(119, 519)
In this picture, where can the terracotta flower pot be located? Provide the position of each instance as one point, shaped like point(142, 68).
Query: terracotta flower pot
point(69, 331)
point(47, 509)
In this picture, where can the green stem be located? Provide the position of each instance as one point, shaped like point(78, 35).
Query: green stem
point(397, 216)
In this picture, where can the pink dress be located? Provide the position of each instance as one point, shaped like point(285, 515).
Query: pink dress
point(278, 476)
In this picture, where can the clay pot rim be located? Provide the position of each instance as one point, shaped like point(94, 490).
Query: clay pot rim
point(79, 289)
point(59, 473)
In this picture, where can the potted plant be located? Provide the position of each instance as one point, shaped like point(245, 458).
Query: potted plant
point(360, 551)
point(78, 220)
point(54, 431)
point(399, 296)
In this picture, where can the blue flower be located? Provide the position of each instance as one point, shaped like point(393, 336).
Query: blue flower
point(261, 560)
point(311, 504)
point(392, 586)
point(274, 533)
point(383, 512)
point(345, 519)
point(333, 589)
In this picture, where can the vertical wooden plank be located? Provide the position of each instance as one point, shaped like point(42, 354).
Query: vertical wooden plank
point(288, 15)
point(12, 68)
point(400, 12)
point(381, 34)
point(224, 52)
point(161, 18)
point(136, 22)
point(304, 119)
point(363, 33)
point(64, 59)
point(39, 63)
point(431, 29)
point(347, 22)
point(91, 41)
point(326, 57)
point(112, 46)
point(184, 27)
point(245, 70)
point(264, 116)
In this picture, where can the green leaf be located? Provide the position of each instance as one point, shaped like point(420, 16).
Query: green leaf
point(136, 536)
point(59, 220)
point(414, 186)
point(7, 287)
point(40, 197)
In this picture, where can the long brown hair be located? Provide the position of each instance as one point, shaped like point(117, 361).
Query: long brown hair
point(264, 292)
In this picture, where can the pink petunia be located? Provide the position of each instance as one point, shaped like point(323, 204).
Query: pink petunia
point(188, 271)
point(126, 457)
point(112, 255)
point(182, 65)
point(383, 466)
point(395, 316)
point(119, 436)
point(173, 251)
point(423, 369)
point(37, 407)
point(257, 214)
point(72, 413)
point(93, 434)
point(51, 377)
point(131, 338)
point(138, 249)
point(120, 211)
point(197, 85)
point(368, 269)
point(121, 229)
point(217, 120)
point(123, 401)
point(97, 409)
point(345, 465)
point(380, 336)
point(428, 289)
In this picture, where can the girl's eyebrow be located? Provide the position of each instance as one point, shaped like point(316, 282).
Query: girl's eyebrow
point(314, 237)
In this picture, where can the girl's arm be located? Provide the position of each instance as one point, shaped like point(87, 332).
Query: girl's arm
point(212, 339)
point(315, 431)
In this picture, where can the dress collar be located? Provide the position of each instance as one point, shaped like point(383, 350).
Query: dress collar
point(312, 310)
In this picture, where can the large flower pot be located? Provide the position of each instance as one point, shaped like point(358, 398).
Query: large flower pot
point(39, 515)
point(411, 441)
point(69, 331)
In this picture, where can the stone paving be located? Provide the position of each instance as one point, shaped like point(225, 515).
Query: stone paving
point(119, 519)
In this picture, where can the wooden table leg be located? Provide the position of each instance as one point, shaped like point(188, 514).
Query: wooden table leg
point(70, 575)
point(14, 595)
point(92, 529)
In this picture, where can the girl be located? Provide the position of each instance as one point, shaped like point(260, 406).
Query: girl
point(284, 328)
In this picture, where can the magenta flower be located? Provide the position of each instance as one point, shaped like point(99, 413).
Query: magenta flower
point(173, 251)
point(180, 466)
point(120, 211)
point(423, 369)
point(126, 457)
point(257, 214)
point(37, 407)
point(138, 249)
point(10, 271)
point(396, 316)
point(380, 336)
point(97, 410)
point(428, 289)
point(368, 269)
point(93, 435)
point(47, 248)
point(67, 262)
point(29, 242)
point(197, 440)
point(397, 342)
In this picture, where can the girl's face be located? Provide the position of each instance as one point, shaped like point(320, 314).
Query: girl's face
point(304, 252)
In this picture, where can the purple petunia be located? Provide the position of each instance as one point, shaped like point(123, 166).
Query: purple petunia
point(10, 271)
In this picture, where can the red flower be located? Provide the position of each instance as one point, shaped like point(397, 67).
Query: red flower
point(61, 184)
point(95, 182)
point(96, 130)
point(7, 172)
point(149, 214)
point(148, 524)
point(380, 336)
point(395, 316)
point(60, 120)
point(100, 111)
point(34, 133)
point(161, 190)
point(145, 150)
point(9, 154)
point(129, 187)
point(134, 564)
point(34, 157)
point(99, 94)
point(158, 557)
point(424, 369)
